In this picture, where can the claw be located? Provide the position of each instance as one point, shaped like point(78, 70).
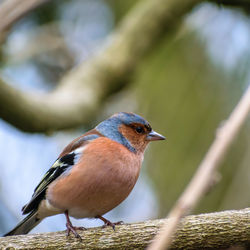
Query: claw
point(109, 223)
point(72, 229)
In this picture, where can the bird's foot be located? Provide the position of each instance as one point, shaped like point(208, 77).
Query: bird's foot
point(108, 223)
point(71, 228)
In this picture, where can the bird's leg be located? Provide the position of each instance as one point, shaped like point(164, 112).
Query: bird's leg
point(109, 223)
point(71, 228)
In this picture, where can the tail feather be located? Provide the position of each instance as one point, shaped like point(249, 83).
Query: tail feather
point(25, 225)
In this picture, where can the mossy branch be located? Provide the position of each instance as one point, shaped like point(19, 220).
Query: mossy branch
point(204, 231)
point(81, 92)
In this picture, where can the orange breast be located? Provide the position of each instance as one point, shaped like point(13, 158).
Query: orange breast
point(103, 178)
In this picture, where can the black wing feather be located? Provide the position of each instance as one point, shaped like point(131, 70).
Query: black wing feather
point(59, 167)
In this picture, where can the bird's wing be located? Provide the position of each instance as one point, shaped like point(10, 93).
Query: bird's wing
point(61, 166)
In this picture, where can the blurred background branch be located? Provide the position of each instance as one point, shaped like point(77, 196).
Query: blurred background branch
point(78, 96)
point(80, 93)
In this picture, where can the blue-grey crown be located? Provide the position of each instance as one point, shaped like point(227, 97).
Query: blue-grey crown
point(110, 127)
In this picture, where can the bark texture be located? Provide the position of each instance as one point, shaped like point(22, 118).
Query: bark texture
point(205, 231)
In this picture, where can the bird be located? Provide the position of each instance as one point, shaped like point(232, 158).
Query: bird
point(92, 175)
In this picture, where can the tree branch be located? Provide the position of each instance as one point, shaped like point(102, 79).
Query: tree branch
point(204, 231)
point(81, 92)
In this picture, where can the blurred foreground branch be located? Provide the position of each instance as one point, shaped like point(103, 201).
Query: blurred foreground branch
point(204, 231)
point(204, 177)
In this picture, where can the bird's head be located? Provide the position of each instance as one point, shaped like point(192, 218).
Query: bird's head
point(130, 130)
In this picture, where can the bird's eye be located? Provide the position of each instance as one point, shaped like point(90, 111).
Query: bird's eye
point(139, 130)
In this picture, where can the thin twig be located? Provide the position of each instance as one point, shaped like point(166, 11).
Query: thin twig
point(204, 176)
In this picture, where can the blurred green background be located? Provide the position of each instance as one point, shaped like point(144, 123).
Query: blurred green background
point(185, 87)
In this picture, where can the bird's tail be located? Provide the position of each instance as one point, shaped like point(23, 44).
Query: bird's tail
point(25, 225)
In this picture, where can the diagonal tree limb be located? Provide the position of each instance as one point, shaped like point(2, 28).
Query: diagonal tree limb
point(205, 231)
point(81, 92)
point(204, 176)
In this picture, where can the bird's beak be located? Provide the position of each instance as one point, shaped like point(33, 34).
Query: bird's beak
point(154, 136)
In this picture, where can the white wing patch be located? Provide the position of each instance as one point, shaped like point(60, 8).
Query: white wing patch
point(77, 154)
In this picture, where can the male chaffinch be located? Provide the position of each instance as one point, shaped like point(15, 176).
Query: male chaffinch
point(93, 174)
